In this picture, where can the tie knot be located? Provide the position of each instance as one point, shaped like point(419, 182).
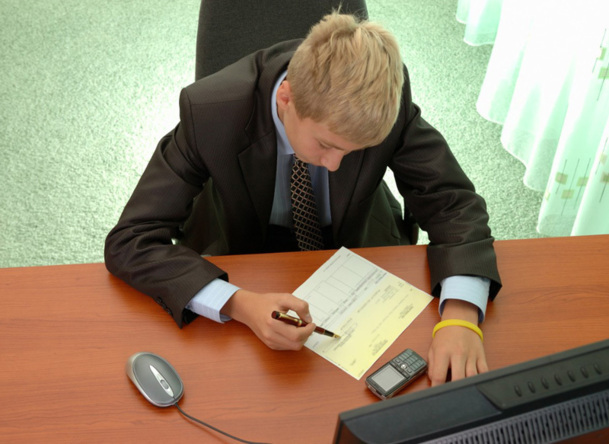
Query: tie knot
point(299, 163)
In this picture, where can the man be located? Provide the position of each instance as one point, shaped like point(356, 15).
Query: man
point(220, 184)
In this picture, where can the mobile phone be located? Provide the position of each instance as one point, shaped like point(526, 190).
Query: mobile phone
point(396, 374)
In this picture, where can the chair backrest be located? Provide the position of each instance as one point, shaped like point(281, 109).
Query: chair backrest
point(231, 29)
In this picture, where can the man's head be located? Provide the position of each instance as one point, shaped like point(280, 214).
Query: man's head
point(345, 82)
point(348, 74)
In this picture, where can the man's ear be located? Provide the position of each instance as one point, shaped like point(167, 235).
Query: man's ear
point(284, 95)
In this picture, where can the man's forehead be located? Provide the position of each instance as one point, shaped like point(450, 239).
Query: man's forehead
point(333, 140)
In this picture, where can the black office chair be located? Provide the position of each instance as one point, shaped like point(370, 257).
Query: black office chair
point(229, 30)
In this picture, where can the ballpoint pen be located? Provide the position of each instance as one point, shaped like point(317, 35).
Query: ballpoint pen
point(300, 323)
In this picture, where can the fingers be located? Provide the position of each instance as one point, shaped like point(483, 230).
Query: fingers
point(289, 337)
point(454, 368)
point(438, 368)
point(482, 366)
point(301, 307)
point(455, 351)
point(278, 335)
point(255, 310)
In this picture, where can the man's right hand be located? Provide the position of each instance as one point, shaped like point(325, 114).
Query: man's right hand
point(254, 310)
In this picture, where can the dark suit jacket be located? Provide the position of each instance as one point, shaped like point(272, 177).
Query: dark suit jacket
point(209, 189)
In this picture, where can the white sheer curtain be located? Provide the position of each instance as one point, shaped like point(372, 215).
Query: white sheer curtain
point(547, 83)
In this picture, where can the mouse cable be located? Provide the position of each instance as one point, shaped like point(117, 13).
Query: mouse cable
point(214, 428)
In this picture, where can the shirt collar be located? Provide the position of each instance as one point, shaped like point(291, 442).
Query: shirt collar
point(283, 144)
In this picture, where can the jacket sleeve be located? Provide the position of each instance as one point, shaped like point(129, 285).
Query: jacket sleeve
point(141, 248)
point(442, 200)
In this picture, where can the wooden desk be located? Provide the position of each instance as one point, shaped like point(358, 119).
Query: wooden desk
point(67, 331)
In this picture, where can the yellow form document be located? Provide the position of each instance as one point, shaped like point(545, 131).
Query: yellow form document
point(364, 304)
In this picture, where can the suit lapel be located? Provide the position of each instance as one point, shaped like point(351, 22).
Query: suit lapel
point(259, 161)
point(258, 164)
point(342, 186)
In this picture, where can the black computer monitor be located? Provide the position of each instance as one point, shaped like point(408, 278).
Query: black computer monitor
point(549, 399)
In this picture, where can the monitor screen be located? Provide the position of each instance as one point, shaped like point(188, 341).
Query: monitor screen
point(549, 399)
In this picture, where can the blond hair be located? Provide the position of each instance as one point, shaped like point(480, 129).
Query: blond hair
point(348, 74)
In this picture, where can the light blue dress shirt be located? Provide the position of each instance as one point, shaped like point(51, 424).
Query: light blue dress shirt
point(210, 299)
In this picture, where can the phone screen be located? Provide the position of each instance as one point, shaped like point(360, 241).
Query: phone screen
point(388, 378)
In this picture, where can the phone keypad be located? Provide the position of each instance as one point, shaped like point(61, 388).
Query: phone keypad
point(408, 362)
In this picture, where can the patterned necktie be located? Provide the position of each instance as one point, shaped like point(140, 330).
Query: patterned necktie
point(304, 209)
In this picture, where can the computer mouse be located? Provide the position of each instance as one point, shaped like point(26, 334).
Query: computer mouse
point(155, 378)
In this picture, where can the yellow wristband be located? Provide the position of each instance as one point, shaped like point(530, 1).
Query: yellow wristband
point(457, 322)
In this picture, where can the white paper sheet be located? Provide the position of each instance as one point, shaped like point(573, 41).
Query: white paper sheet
point(364, 304)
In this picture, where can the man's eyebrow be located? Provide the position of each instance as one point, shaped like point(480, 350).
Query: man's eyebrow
point(328, 144)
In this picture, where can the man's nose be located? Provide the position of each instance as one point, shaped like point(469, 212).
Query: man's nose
point(332, 160)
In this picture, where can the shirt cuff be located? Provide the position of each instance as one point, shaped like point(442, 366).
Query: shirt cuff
point(210, 299)
point(473, 289)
